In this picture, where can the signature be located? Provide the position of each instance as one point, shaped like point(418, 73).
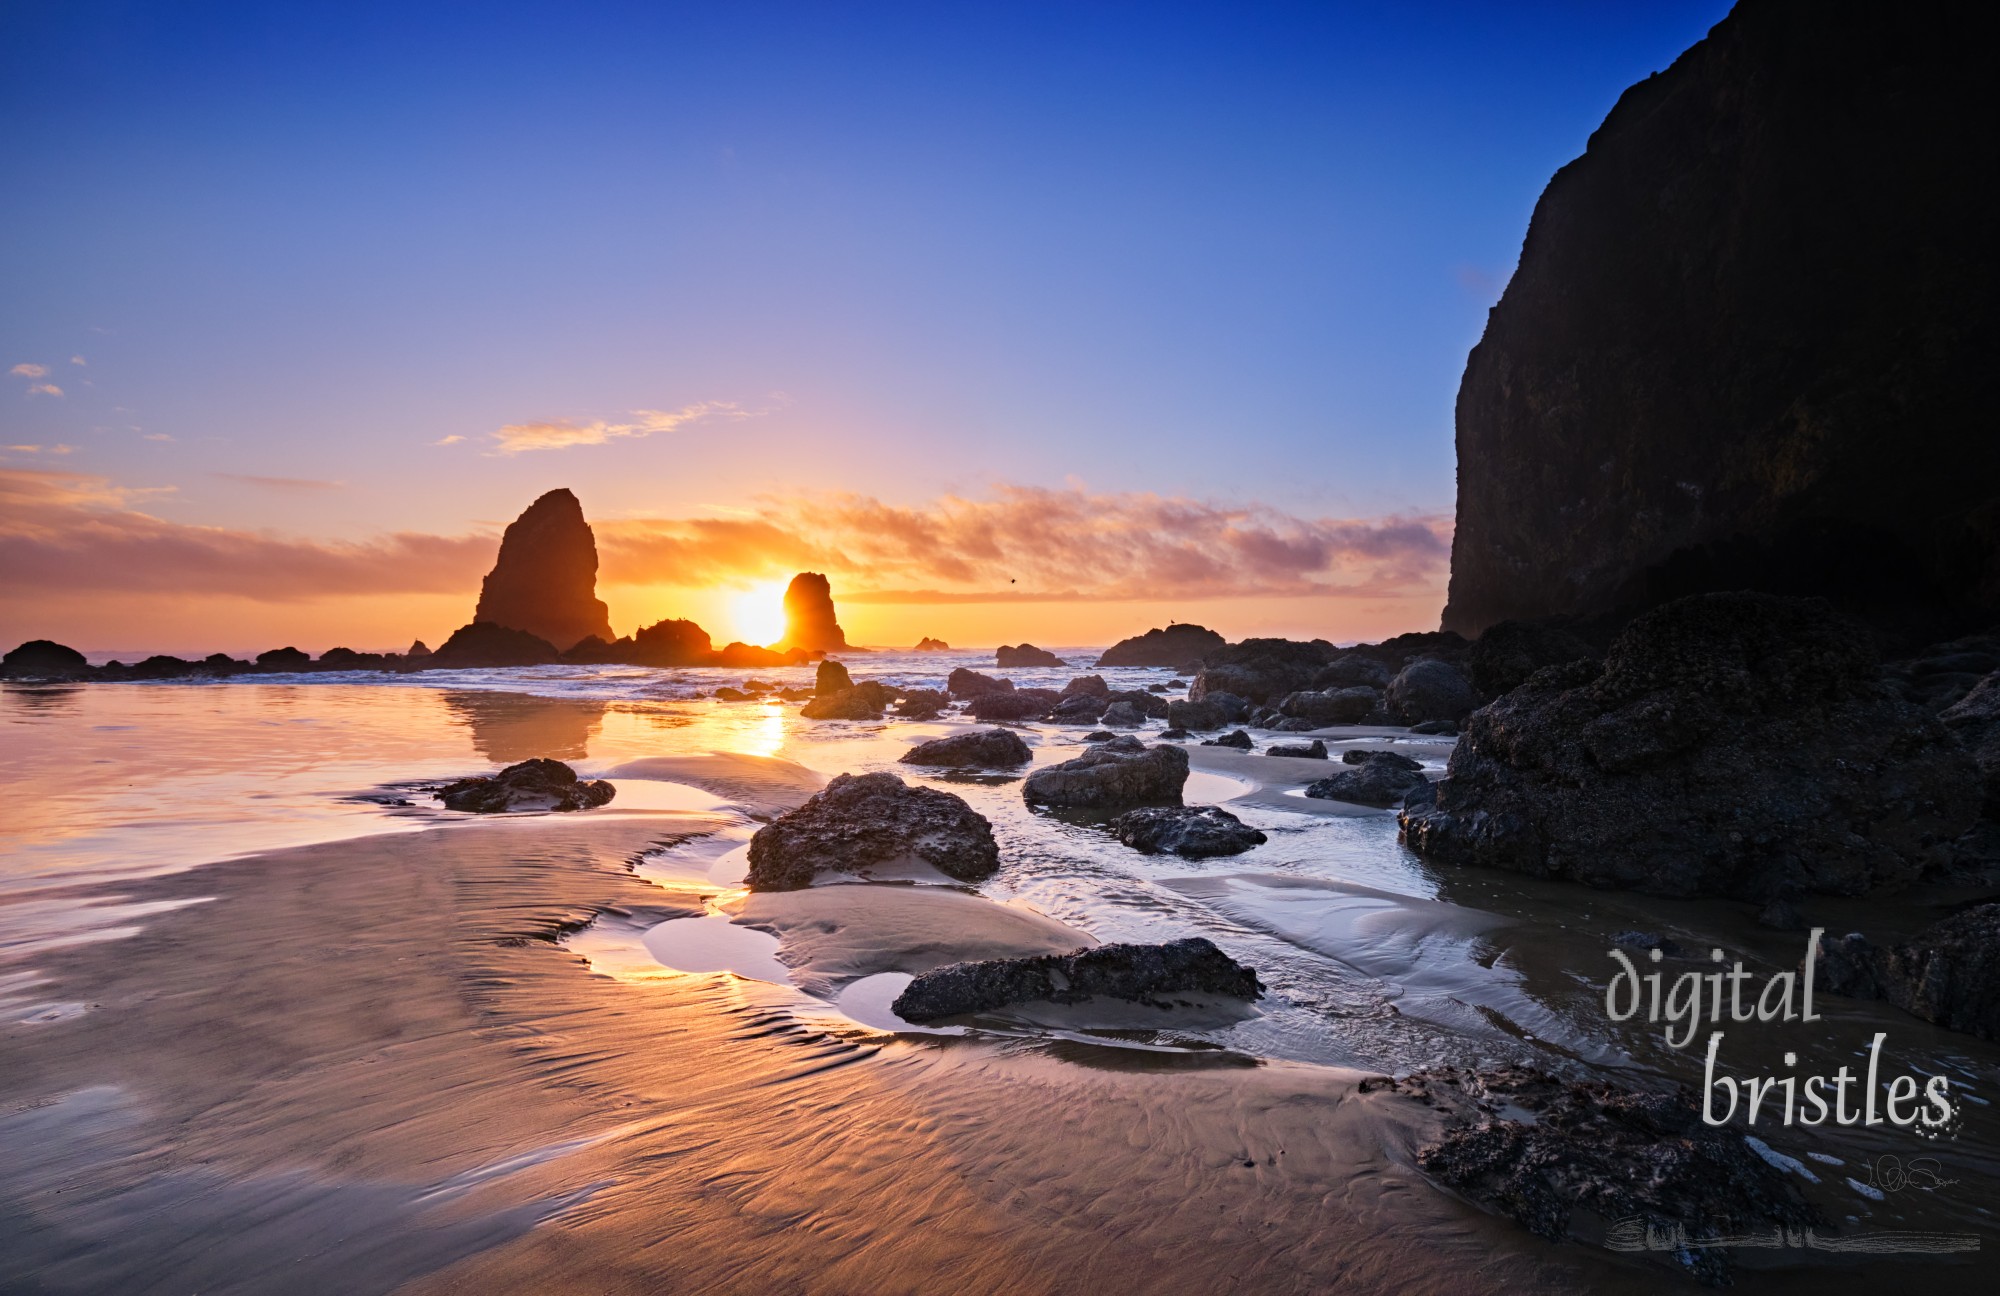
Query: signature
point(1638, 1234)
point(1890, 1174)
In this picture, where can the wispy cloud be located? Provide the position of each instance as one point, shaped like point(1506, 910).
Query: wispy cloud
point(294, 485)
point(453, 439)
point(558, 434)
point(30, 371)
point(43, 449)
point(44, 389)
point(78, 360)
point(155, 436)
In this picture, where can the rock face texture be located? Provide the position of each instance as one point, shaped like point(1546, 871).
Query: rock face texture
point(1169, 647)
point(809, 620)
point(1111, 776)
point(864, 821)
point(1737, 745)
point(545, 580)
point(540, 784)
point(1148, 974)
point(988, 748)
point(1748, 343)
point(1949, 973)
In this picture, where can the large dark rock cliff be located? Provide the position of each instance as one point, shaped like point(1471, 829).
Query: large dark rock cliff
point(545, 580)
point(1750, 340)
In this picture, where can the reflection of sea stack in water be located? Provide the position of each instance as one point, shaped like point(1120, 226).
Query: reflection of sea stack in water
point(809, 619)
point(545, 580)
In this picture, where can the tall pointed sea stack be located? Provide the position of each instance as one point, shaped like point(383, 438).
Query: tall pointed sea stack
point(809, 619)
point(545, 580)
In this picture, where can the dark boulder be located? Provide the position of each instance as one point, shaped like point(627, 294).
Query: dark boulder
point(1018, 704)
point(928, 644)
point(1435, 728)
point(1394, 760)
point(481, 644)
point(346, 659)
point(1350, 705)
point(1193, 832)
point(1262, 670)
point(1093, 685)
point(860, 822)
point(416, 649)
point(671, 643)
point(865, 701)
point(1149, 705)
point(44, 659)
point(1949, 973)
point(1975, 720)
point(1025, 655)
point(1235, 738)
point(161, 666)
point(1175, 735)
point(1169, 647)
point(1123, 715)
point(1380, 779)
point(985, 748)
point(544, 581)
point(1353, 670)
point(1196, 715)
point(1079, 708)
point(1735, 745)
point(1155, 975)
point(531, 785)
point(753, 656)
point(810, 623)
point(1109, 776)
point(1510, 651)
point(963, 683)
point(921, 704)
point(1427, 691)
point(1316, 750)
point(831, 677)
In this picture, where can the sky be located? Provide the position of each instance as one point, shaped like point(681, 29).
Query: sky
point(1021, 321)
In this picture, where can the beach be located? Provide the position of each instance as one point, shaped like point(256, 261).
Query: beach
point(428, 1052)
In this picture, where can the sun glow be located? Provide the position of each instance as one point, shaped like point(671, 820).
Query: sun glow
point(757, 615)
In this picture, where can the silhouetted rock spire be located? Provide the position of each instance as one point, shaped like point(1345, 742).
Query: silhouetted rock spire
point(809, 619)
point(545, 580)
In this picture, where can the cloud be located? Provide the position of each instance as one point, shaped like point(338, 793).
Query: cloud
point(155, 436)
point(30, 370)
point(69, 533)
point(516, 438)
point(453, 439)
point(295, 485)
point(44, 389)
point(43, 449)
point(78, 360)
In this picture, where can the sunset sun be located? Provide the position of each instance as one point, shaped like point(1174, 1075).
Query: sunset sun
point(757, 615)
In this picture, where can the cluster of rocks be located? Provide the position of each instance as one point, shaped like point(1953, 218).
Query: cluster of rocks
point(1159, 976)
point(1589, 1161)
point(540, 784)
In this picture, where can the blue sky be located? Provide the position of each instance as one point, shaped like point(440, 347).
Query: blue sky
point(1227, 252)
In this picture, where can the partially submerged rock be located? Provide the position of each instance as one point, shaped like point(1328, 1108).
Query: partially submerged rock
point(864, 822)
point(531, 785)
point(43, 659)
point(1949, 973)
point(481, 644)
point(921, 704)
point(963, 683)
point(1589, 1161)
point(1236, 738)
point(1316, 750)
point(1023, 655)
point(1111, 775)
point(984, 748)
point(1263, 670)
point(1193, 832)
point(832, 677)
point(1733, 745)
point(1158, 976)
point(1350, 705)
point(865, 701)
point(1430, 691)
point(1016, 704)
point(1169, 647)
point(1380, 779)
point(1123, 714)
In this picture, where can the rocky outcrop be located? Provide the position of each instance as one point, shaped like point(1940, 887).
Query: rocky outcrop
point(531, 785)
point(1235, 738)
point(44, 659)
point(1314, 750)
point(922, 704)
point(1350, 705)
point(864, 822)
point(1090, 685)
point(545, 579)
point(1506, 654)
point(865, 701)
point(1430, 690)
point(1949, 973)
point(1262, 670)
point(1024, 655)
point(1592, 1162)
point(1734, 745)
point(1123, 714)
point(669, 643)
point(1168, 648)
point(481, 644)
point(1159, 976)
point(289, 660)
point(1111, 776)
point(810, 623)
point(1192, 832)
point(1975, 720)
point(928, 644)
point(983, 749)
point(1014, 704)
point(1373, 778)
point(1749, 340)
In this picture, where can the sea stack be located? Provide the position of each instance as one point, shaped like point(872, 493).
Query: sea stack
point(1750, 341)
point(545, 580)
point(809, 619)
